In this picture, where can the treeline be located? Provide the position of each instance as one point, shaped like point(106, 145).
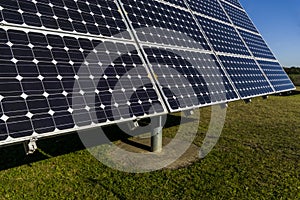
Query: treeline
point(292, 70)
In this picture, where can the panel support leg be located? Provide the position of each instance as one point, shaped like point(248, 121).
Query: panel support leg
point(30, 146)
point(156, 134)
point(265, 97)
point(247, 101)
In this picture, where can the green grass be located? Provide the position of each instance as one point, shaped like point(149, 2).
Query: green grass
point(257, 157)
point(295, 78)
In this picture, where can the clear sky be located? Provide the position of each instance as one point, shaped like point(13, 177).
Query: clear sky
point(279, 23)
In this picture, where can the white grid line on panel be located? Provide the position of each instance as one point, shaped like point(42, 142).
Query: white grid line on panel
point(249, 31)
point(259, 34)
point(232, 5)
point(139, 40)
point(215, 53)
point(251, 53)
point(9, 140)
point(141, 44)
point(187, 50)
point(34, 28)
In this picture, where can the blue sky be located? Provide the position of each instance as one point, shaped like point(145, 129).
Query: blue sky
point(279, 23)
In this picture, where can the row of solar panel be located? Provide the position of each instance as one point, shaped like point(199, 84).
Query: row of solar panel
point(152, 27)
point(212, 8)
point(102, 18)
point(94, 17)
point(39, 91)
point(80, 66)
point(47, 84)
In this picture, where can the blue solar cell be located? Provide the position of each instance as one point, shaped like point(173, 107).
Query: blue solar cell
point(257, 45)
point(277, 76)
point(246, 76)
point(18, 127)
point(157, 23)
point(211, 8)
point(239, 17)
point(8, 69)
point(43, 123)
point(48, 87)
point(189, 79)
point(14, 106)
point(12, 16)
point(10, 4)
point(223, 38)
point(94, 17)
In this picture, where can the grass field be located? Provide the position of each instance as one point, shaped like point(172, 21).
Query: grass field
point(295, 78)
point(257, 157)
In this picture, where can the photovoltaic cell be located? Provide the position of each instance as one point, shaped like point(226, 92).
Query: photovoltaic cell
point(94, 17)
point(209, 8)
point(157, 23)
point(239, 17)
point(68, 83)
point(223, 38)
point(257, 45)
point(246, 76)
point(276, 75)
point(189, 79)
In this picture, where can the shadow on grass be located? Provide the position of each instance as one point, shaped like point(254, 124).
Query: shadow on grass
point(14, 156)
point(295, 92)
point(291, 93)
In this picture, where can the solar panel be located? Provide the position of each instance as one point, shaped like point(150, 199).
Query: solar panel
point(67, 65)
point(189, 79)
point(90, 17)
point(50, 84)
point(155, 22)
point(210, 8)
point(247, 76)
point(233, 2)
point(223, 37)
point(185, 55)
point(259, 49)
point(239, 17)
point(277, 76)
point(257, 45)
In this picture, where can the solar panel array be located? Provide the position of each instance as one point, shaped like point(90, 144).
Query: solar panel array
point(258, 48)
point(67, 65)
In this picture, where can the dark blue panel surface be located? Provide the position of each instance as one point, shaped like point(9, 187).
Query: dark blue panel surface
point(51, 83)
point(246, 76)
point(239, 17)
point(158, 23)
point(95, 17)
point(223, 38)
point(211, 8)
point(277, 76)
point(189, 79)
point(257, 45)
